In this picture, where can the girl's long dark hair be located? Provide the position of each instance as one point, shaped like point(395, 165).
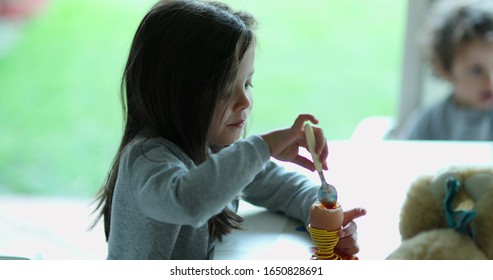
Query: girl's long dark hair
point(182, 63)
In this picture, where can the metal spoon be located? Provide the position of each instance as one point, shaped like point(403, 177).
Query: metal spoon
point(327, 194)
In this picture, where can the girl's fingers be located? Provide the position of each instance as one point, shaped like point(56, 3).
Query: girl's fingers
point(304, 162)
point(348, 241)
point(320, 142)
point(347, 251)
point(321, 148)
point(352, 214)
point(301, 119)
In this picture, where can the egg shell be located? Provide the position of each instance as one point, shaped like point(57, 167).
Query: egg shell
point(325, 218)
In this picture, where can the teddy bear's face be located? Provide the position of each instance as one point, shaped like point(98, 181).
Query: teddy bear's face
point(431, 205)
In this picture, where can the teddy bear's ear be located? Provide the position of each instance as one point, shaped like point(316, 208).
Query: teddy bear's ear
point(478, 184)
point(423, 209)
point(440, 180)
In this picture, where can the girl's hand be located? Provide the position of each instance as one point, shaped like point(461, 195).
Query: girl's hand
point(348, 242)
point(284, 144)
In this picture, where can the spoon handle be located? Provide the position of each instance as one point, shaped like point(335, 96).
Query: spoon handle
point(310, 141)
point(327, 194)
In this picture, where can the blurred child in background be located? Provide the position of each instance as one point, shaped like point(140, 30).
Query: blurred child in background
point(459, 46)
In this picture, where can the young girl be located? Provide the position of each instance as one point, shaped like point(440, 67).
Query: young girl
point(460, 48)
point(175, 182)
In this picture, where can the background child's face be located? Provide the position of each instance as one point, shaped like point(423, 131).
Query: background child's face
point(472, 75)
point(230, 117)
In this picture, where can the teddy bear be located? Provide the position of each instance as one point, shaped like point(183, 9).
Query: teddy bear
point(448, 216)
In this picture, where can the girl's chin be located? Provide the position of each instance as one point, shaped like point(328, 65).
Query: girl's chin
point(485, 104)
point(226, 141)
point(478, 104)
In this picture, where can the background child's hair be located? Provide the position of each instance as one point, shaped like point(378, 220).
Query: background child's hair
point(450, 25)
point(183, 61)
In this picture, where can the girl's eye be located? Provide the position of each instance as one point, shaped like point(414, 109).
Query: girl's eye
point(476, 70)
point(248, 85)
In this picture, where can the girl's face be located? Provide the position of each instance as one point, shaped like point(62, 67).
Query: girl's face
point(472, 75)
point(230, 116)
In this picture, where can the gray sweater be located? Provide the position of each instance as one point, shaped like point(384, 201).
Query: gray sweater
point(446, 121)
point(162, 200)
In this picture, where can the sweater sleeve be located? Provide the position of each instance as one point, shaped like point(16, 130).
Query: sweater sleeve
point(278, 190)
point(168, 190)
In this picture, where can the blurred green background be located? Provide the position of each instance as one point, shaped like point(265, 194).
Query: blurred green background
point(60, 116)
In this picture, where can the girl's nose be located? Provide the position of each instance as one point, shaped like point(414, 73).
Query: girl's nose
point(243, 100)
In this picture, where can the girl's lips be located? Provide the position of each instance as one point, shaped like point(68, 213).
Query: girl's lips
point(238, 124)
point(486, 96)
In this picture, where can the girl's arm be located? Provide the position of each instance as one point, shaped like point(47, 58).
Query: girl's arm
point(281, 191)
point(168, 188)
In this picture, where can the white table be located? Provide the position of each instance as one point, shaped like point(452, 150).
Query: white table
point(51, 228)
point(374, 176)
